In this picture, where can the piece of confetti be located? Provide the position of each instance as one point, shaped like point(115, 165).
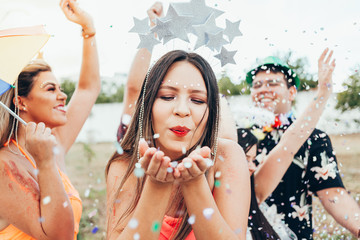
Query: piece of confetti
point(191, 219)
point(46, 200)
point(208, 212)
point(92, 213)
point(139, 172)
point(155, 226)
point(94, 230)
point(133, 223)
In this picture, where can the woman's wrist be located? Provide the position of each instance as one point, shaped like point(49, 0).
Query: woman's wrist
point(88, 32)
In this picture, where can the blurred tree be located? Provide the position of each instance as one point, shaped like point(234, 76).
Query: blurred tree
point(226, 86)
point(68, 88)
point(300, 66)
point(350, 98)
point(110, 92)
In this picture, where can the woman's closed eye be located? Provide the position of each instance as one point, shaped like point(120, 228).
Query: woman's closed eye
point(167, 98)
point(197, 101)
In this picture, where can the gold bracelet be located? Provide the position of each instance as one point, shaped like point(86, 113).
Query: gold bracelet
point(87, 35)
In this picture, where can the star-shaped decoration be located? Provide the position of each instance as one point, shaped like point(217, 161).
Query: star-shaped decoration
point(202, 31)
point(232, 30)
point(197, 9)
point(226, 56)
point(141, 26)
point(148, 41)
point(162, 29)
point(216, 41)
point(178, 24)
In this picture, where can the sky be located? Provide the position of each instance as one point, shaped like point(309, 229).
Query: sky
point(306, 27)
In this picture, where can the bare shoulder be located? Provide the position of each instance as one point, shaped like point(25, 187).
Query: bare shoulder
point(229, 154)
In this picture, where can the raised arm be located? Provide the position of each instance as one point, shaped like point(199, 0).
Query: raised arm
point(343, 208)
point(36, 204)
point(88, 87)
point(273, 168)
point(139, 67)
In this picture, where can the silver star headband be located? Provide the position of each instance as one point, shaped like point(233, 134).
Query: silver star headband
point(185, 18)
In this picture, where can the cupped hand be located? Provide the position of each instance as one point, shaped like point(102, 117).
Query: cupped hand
point(326, 67)
point(194, 165)
point(156, 164)
point(40, 143)
point(77, 15)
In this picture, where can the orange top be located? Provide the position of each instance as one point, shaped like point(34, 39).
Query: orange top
point(12, 233)
point(169, 227)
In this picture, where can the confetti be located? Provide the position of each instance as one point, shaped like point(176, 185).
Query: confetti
point(46, 200)
point(218, 174)
point(191, 219)
point(170, 170)
point(65, 204)
point(133, 223)
point(208, 212)
point(136, 236)
point(156, 135)
point(217, 183)
point(118, 147)
point(92, 213)
point(174, 164)
point(41, 219)
point(155, 226)
point(187, 164)
point(139, 172)
point(87, 193)
point(94, 230)
point(183, 150)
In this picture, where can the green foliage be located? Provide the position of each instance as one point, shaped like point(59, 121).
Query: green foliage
point(110, 92)
point(300, 67)
point(227, 87)
point(350, 98)
point(68, 88)
point(89, 152)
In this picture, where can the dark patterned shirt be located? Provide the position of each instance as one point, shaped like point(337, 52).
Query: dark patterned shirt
point(313, 168)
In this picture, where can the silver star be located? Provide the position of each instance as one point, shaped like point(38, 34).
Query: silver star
point(202, 31)
point(147, 41)
point(197, 9)
point(162, 29)
point(178, 24)
point(232, 30)
point(141, 26)
point(216, 41)
point(226, 56)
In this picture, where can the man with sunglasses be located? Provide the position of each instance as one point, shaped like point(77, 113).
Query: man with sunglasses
point(273, 87)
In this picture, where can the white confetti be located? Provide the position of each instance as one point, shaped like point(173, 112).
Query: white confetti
point(174, 164)
point(133, 223)
point(136, 236)
point(208, 212)
point(46, 200)
point(156, 135)
point(187, 164)
point(191, 219)
point(139, 172)
point(218, 174)
point(183, 149)
point(169, 170)
point(87, 193)
point(65, 204)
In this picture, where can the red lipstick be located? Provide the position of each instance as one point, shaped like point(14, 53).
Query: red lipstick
point(180, 131)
